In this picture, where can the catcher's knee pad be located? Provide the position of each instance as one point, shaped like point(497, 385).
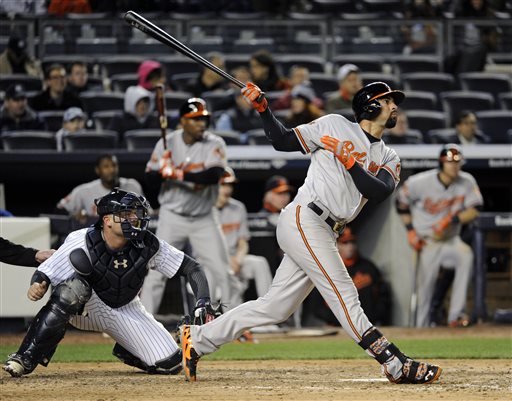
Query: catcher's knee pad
point(379, 346)
point(71, 295)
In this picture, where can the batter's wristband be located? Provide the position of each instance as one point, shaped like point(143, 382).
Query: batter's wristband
point(39, 277)
point(455, 219)
point(409, 227)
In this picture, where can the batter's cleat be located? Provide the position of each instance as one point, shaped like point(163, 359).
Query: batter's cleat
point(416, 373)
point(14, 366)
point(247, 337)
point(189, 354)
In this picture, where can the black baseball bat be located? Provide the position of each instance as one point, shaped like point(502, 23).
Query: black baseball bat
point(159, 34)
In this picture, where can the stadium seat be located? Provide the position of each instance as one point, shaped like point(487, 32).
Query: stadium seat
point(52, 119)
point(174, 100)
point(365, 62)
point(323, 83)
point(506, 101)
point(177, 64)
point(120, 64)
point(495, 124)
point(257, 137)
point(389, 79)
point(243, 45)
point(120, 82)
point(333, 6)
point(234, 60)
point(456, 101)
point(219, 100)
point(96, 46)
point(101, 101)
point(412, 136)
point(411, 63)
point(29, 83)
point(426, 120)
point(419, 100)
point(382, 5)
point(29, 140)
point(90, 140)
point(441, 135)
point(314, 63)
point(181, 82)
point(230, 137)
point(136, 140)
point(486, 82)
point(435, 82)
point(347, 113)
point(102, 118)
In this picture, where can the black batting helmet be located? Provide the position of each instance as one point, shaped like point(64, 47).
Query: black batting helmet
point(365, 104)
point(193, 108)
point(451, 152)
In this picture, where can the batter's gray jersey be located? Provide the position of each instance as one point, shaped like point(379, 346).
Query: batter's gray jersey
point(233, 218)
point(429, 200)
point(82, 197)
point(328, 182)
point(187, 198)
point(129, 325)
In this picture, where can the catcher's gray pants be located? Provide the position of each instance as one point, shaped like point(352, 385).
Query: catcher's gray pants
point(451, 254)
point(207, 240)
point(311, 260)
point(253, 268)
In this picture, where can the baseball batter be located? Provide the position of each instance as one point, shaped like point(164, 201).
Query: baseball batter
point(96, 276)
point(188, 174)
point(433, 205)
point(349, 165)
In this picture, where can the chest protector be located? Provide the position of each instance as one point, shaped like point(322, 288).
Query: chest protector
point(117, 276)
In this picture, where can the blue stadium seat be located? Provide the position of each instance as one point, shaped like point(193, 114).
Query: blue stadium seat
point(495, 124)
point(29, 140)
point(137, 140)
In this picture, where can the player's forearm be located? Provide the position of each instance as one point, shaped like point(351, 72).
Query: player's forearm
point(467, 215)
point(374, 188)
point(281, 138)
point(242, 249)
point(209, 176)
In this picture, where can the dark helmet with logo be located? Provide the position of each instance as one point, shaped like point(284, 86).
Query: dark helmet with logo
point(451, 152)
point(365, 104)
point(129, 209)
point(193, 108)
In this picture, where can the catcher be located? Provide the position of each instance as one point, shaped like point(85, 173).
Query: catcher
point(96, 276)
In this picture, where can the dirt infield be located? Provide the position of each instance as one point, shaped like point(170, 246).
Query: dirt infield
point(466, 380)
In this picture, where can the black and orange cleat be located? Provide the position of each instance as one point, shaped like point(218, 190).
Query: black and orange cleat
point(416, 373)
point(247, 337)
point(189, 354)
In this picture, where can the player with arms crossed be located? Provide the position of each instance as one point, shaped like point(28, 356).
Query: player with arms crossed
point(349, 165)
point(96, 276)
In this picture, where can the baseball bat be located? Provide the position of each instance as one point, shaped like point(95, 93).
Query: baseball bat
point(159, 34)
point(162, 116)
point(414, 296)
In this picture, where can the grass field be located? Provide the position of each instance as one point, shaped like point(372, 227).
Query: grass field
point(297, 349)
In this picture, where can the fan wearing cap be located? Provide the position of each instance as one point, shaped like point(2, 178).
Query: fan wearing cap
point(187, 176)
point(15, 114)
point(73, 122)
point(350, 164)
point(433, 205)
point(15, 60)
point(349, 80)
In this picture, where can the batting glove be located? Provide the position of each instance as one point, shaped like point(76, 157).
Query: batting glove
point(339, 149)
point(415, 242)
point(255, 97)
point(167, 169)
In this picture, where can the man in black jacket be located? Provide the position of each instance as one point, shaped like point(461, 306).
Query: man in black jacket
point(20, 255)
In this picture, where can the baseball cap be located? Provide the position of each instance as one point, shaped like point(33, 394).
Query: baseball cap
point(346, 69)
point(303, 91)
point(72, 113)
point(278, 184)
point(17, 45)
point(193, 108)
point(347, 235)
point(15, 92)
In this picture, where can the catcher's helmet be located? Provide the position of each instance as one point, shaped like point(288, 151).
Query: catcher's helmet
point(116, 202)
point(193, 108)
point(365, 104)
point(450, 152)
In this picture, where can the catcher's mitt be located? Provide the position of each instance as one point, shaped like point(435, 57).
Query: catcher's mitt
point(204, 311)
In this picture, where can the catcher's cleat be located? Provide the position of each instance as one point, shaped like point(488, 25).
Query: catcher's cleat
point(416, 373)
point(14, 366)
point(189, 354)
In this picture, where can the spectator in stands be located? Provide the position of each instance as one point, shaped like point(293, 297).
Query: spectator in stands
point(242, 117)
point(15, 114)
point(472, 9)
point(302, 109)
point(349, 79)
point(138, 106)
point(233, 219)
point(150, 74)
point(55, 96)
point(20, 255)
point(400, 133)
point(208, 80)
point(15, 60)
point(466, 130)
point(78, 78)
point(420, 37)
point(374, 293)
point(299, 75)
point(80, 202)
point(264, 72)
point(73, 122)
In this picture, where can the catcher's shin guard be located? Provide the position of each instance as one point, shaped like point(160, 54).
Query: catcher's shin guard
point(397, 367)
point(189, 354)
point(167, 366)
point(49, 326)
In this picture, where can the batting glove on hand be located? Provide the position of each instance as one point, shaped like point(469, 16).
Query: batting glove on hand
point(204, 312)
point(415, 242)
point(339, 149)
point(167, 169)
point(255, 97)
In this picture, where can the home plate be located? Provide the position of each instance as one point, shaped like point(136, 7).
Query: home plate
point(375, 380)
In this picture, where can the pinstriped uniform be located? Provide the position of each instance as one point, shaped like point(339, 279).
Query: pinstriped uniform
point(130, 325)
point(311, 257)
